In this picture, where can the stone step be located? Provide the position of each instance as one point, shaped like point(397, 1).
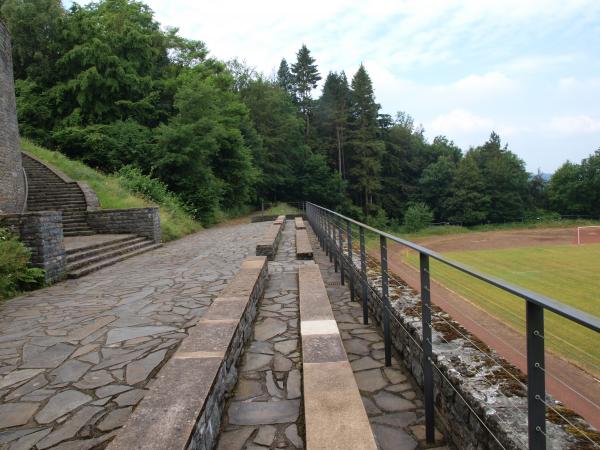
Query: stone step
point(80, 260)
point(334, 413)
point(109, 262)
point(78, 233)
point(79, 253)
point(119, 240)
point(74, 208)
point(56, 203)
point(77, 227)
point(56, 199)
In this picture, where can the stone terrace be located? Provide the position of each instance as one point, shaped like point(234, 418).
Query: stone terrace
point(75, 358)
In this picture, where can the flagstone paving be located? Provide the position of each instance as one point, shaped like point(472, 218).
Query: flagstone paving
point(265, 410)
point(75, 357)
point(391, 398)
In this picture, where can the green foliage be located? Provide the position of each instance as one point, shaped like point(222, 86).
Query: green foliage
point(105, 84)
point(332, 115)
point(285, 79)
point(112, 193)
point(202, 154)
point(15, 273)
point(306, 75)
point(417, 217)
point(575, 188)
point(365, 150)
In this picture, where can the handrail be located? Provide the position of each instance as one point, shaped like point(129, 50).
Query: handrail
point(331, 226)
point(26, 190)
point(574, 314)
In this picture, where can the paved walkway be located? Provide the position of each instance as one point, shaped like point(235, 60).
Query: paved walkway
point(265, 411)
point(391, 398)
point(75, 357)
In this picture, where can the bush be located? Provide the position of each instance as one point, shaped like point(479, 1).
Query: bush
point(15, 275)
point(417, 216)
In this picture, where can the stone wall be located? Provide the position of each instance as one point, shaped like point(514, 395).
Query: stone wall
point(184, 404)
point(12, 181)
point(42, 232)
point(141, 221)
point(208, 425)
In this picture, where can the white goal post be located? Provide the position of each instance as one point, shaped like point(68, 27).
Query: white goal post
point(582, 228)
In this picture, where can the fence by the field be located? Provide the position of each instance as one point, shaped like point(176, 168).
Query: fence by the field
point(338, 235)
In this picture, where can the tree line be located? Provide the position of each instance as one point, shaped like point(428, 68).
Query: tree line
point(104, 83)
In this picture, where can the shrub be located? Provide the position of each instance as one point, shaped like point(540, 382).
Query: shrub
point(15, 275)
point(417, 217)
point(133, 179)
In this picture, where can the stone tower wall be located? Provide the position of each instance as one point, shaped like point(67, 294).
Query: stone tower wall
point(12, 182)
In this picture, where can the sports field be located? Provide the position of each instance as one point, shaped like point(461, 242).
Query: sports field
point(566, 272)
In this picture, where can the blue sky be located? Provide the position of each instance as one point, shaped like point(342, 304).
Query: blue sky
point(530, 70)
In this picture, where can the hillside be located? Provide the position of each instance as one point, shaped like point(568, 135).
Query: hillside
point(113, 193)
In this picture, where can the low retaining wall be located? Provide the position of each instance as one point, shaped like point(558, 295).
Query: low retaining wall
point(141, 221)
point(42, 232)
point(269, 243)
point(272, 217)
point(462, 387)
point(184, 405)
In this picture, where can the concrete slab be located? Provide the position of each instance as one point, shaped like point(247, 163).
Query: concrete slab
point(314, 302)
point(167, 415)
point(303, 248)
point(299, 223)
point(334, 413)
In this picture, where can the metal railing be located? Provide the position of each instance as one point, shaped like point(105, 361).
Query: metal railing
point(331, 227)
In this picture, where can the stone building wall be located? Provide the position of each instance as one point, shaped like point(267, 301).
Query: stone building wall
point(12, 182)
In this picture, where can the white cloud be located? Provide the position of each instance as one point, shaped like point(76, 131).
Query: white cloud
point(459, 121)
point(574, 124)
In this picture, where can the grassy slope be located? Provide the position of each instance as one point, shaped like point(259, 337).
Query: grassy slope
point(175, 223)
point(566, 273)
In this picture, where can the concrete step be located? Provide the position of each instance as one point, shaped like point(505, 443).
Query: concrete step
point(109, 262)
point(76, 262)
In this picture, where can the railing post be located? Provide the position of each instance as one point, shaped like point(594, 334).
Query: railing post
point(351, 261)
point(427, 349)
point(386, 301)
point(536, 382)
point(341, 252)
point(363, 275)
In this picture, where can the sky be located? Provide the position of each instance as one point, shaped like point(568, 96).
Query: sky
point(527, 69)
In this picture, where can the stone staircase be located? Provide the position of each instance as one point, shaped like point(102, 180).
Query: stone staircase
point(82, 260)
point(86, 250)
point(48, 192)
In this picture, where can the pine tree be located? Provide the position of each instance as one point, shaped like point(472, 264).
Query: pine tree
point(332, 115)
point(285, 79)
point(365, 147)
point(306, 77)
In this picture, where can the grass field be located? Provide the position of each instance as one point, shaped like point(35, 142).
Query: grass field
point(567, 273)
